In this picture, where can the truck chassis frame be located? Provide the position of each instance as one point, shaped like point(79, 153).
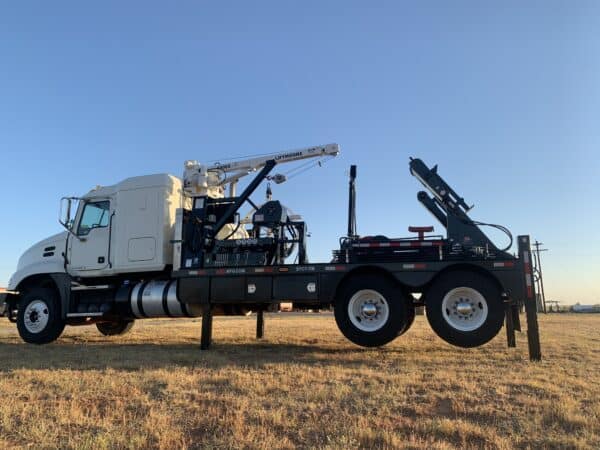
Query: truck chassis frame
point(316, 285)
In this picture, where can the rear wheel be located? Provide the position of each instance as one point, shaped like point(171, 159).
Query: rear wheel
point(410, 319)
point(38, 318)
point(114, 328)
point(371, 310)
point(465, 308)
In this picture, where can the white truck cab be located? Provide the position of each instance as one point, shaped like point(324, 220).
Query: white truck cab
point(117, 230)
point(127, 227)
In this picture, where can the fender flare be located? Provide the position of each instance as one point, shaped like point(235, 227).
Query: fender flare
point(60, 282)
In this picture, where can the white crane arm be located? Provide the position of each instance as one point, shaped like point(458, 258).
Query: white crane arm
point(284, 157)
point(200, 179)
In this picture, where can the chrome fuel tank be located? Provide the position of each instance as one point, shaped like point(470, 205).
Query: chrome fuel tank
point(159, 299)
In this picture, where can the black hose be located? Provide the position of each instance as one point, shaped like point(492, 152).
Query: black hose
point(498, 227)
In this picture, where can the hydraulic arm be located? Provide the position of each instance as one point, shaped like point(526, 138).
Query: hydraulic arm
point(450, 209)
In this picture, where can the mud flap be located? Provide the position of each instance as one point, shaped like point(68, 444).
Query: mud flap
point(63, 282)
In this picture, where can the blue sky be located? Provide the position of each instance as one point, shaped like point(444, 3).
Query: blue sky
point(504, 97)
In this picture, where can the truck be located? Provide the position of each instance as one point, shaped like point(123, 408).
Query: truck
point(159, 246)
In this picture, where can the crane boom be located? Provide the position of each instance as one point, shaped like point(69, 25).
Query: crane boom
point(283, 157)
point(200, 179)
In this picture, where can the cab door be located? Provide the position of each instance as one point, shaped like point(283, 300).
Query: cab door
point(89, 249)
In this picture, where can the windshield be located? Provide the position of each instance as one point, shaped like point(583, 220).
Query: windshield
point(95, 215)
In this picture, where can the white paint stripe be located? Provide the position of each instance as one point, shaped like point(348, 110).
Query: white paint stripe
point(528, 280)
point(398, 244)
point(526, 257)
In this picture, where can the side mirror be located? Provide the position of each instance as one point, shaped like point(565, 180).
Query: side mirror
point(64, 215)
point(67, 205)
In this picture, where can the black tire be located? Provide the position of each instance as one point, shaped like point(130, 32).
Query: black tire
point(459, 328)
point(397, 307)
point(409, 320)
point(114, 328)
point(38, 319)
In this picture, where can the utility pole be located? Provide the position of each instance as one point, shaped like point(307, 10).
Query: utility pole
point(538, 271)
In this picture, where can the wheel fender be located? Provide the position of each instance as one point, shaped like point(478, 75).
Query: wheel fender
point(60, 282)
point(30, 270)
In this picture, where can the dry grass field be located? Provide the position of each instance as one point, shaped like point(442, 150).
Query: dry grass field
point(303, 386)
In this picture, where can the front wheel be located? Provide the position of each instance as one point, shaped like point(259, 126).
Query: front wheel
point(371, 310)
point(114, 328)
point(38, 318)
point(465, 308)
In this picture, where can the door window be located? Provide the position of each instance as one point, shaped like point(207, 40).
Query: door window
point(95, 215)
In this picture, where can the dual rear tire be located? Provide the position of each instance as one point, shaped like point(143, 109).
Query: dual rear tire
point(372, 310)
point(464, 308)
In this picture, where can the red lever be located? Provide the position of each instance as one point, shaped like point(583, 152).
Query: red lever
point(421, 231)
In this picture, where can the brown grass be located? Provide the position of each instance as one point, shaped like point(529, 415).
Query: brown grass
point(302, 386)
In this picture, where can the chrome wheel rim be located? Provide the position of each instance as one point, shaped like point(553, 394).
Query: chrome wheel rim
point(464, 309)
point(36, 316)
point(368, 310)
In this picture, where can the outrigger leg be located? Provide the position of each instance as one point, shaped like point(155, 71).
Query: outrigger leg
point(533, 331)
point(206, 333)
point(260, 324)
point(510, 325)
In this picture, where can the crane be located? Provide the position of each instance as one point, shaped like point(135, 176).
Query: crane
point(210, 180)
